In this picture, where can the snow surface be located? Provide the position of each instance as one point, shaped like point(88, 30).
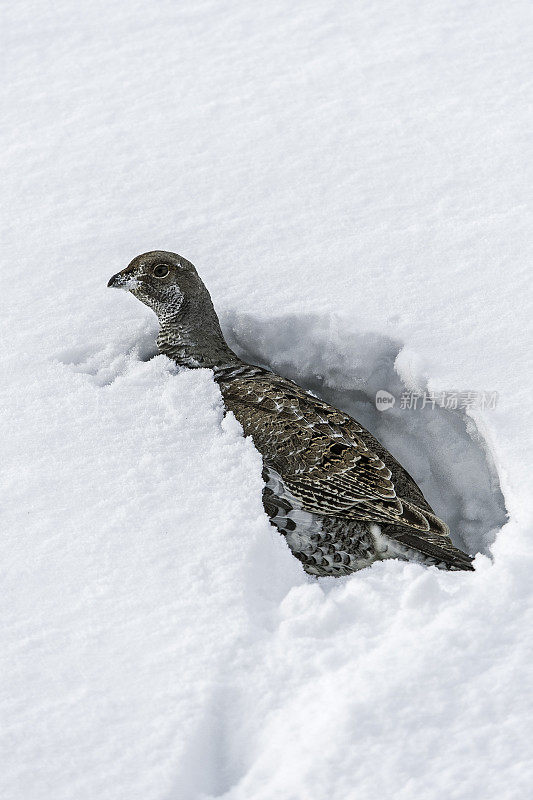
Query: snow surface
point(352, 181)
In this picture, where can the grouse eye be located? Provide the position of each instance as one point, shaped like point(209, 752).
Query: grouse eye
point(160, 271)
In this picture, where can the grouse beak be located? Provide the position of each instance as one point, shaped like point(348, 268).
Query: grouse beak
point(123, 280)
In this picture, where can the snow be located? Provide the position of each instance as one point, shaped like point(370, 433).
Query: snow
point(351, 180)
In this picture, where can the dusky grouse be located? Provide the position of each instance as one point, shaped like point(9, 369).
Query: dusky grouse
point(336, 494)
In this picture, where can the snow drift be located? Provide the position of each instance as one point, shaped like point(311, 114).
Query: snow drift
point(350, 180)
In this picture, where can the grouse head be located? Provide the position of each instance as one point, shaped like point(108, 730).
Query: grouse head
point(189, 327)
point(164, 281)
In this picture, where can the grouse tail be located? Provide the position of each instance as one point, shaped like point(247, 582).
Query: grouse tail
point(437, 549)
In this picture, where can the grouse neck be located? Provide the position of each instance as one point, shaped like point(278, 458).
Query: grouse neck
point(195, 341)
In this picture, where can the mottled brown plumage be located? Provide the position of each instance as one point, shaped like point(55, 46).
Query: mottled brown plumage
point(337, 495)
